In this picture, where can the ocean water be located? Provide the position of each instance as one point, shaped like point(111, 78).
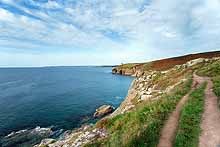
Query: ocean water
point(64, 97)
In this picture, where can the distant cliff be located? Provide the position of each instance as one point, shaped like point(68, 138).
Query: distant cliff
point(137, 69)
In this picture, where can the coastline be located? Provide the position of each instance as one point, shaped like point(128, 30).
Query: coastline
point(12, 135)
point(143, 89)
point(111, 98)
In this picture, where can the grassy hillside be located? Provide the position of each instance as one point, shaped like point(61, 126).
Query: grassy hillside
point(141, 127)
point(162, 64)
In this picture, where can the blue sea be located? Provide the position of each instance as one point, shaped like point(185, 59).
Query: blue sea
point(64, 97)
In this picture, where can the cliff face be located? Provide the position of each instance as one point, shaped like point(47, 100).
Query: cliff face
point(149, 86)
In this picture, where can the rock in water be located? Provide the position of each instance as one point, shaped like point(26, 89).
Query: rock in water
point(103, 110)
point(26, 138)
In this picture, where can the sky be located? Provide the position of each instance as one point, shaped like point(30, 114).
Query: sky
point(104, 32)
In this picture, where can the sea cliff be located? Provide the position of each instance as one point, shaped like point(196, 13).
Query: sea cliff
point(137, 69)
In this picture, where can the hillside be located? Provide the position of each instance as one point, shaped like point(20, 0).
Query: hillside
point(170, 103)
point(159, 65)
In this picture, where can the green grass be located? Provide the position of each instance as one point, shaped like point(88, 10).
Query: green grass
point(212, 70)
point(216, 82)
point(189, 124)
point(141, 128)
point(147, 66)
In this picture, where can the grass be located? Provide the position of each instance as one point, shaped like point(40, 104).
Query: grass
point(216, 82)
point(189, 124)
point(141, 128)
point(212, 70)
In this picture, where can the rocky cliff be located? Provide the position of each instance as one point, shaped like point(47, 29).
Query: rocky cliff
point(136, 69)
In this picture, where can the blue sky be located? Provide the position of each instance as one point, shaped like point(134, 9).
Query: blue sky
point(97, 32)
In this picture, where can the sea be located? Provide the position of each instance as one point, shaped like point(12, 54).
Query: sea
point(65, 97)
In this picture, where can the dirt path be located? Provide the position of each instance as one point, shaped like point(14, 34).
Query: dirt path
point(210, 136)
point(169, 130)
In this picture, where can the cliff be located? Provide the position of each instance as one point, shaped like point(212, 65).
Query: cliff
point(137, 69)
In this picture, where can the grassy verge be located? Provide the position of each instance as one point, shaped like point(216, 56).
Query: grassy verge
point(141, 128)
point(212, 70)
point(189, 126)
point(216, 82)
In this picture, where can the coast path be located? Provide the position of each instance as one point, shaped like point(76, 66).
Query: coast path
point(210, 135)
point(169, 130)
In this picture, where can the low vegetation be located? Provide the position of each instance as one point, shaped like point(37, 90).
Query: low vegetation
point(142, 126)
point(212, 70)
point(165, 64)
point(189, 124)
point(216, 82)
point(128, 65)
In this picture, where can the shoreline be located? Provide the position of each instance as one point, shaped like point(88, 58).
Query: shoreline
point(20, 133)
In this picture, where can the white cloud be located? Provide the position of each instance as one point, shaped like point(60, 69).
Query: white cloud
point(150, 27)
point(51, 4)
point(6, 16)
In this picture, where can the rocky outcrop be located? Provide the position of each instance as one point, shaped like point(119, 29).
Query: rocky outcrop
point(27, 137)
point(103, 110)
point(76, 138)
point(46, 142)
point(141, 89)
point(123, 71)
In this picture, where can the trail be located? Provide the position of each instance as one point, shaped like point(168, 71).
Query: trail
point(168, 132)
point(210, 135)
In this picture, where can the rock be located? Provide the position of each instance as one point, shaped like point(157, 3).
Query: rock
point(128, 72)
point(127, 108)
point(195, 61)
point(150, 89)
point(123, 71)
point(164, 72)
point(114, 70)
point(103, 110)
point(148, 92)
point(28, 137)
point(139, 73)
point(141, 85)
point(142, 92)
point(88, 136)
point(145, 97)
point(46, 142)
